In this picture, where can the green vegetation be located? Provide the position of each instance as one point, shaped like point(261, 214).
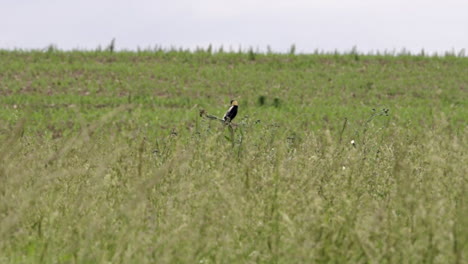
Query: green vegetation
point(104, 158)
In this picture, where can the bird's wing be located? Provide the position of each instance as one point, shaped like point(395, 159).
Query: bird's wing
point(229, 110)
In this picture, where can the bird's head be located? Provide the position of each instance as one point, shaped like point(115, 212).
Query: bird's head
point(234, 102)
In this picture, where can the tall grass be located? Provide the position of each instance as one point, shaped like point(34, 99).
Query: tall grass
point(113, 165)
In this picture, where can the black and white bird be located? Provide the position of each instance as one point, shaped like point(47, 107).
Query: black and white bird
point(231, 112)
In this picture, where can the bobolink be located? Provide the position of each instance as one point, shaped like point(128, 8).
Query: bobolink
point(231, 112)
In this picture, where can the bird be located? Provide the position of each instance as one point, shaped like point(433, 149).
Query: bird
point(231, 112)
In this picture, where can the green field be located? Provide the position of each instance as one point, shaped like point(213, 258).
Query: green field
point(104, 158)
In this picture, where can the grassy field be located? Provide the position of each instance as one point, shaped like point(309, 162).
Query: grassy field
point(104, 158)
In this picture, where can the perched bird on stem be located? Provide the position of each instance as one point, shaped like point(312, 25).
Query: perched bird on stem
point(231, 112)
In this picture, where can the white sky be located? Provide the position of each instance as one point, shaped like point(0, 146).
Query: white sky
point(370, 25)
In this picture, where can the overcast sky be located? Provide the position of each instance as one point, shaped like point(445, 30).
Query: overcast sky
point(328, 25)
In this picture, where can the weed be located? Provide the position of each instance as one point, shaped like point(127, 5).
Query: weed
point(292, 49)
point(261, 100)
point(251, 54)
point(111, 47)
